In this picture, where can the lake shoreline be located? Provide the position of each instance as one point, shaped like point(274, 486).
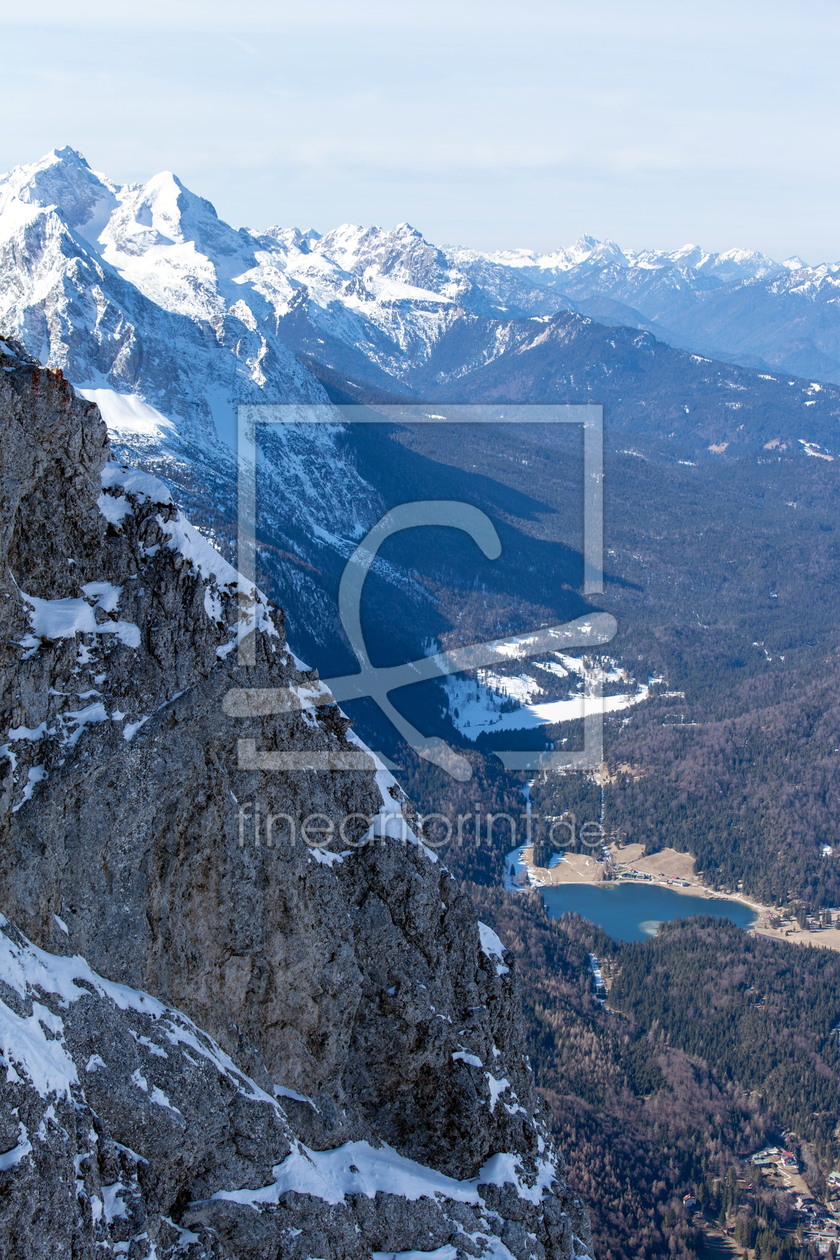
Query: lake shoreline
point(629, 911)
point(667, 869)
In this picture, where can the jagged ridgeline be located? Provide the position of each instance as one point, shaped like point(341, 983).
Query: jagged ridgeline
point(213, 1045)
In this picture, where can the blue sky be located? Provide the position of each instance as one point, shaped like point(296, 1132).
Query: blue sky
point(495, 125)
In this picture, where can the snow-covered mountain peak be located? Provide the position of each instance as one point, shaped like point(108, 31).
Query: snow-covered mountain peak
point(160, 205)
point(62, 180)
point(138, 289)
point(396, 264)
point(292, 238)
point(686, 256)
point(355, 248)
point(68, 155)
point(611, 253)
point(732, 264)
point(56, 178)
point(749, 263)
point(561, 259)
point(113, 218)
point(165, 211)
point(589, 252)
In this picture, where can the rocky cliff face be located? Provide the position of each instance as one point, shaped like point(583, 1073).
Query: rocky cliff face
point(222, 1035)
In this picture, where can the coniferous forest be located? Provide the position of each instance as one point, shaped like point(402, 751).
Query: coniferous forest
point(711, 1043)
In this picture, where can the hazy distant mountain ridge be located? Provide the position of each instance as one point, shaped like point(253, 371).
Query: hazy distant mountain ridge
point(739, 305)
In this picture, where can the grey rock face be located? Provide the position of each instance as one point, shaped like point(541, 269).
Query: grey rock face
point(127, 1131)
point(344, 1001)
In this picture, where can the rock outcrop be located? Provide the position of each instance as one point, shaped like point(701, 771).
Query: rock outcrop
point(245, 1011)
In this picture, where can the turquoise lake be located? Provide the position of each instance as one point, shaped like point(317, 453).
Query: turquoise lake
point(633, 912)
